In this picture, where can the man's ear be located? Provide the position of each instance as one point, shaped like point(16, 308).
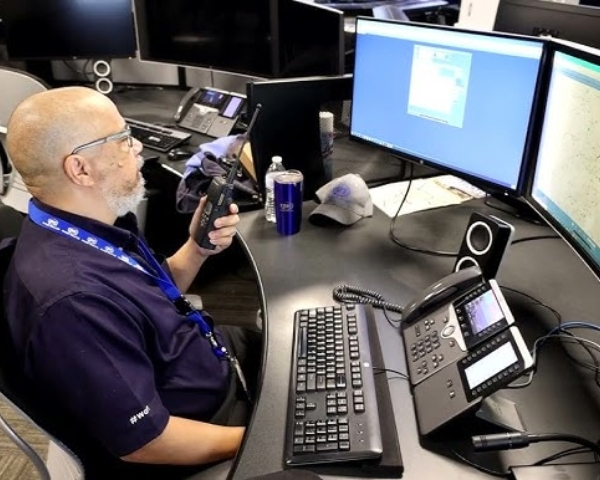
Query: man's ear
point(78, 169)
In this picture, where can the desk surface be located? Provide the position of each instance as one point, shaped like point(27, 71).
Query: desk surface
point(300, 271)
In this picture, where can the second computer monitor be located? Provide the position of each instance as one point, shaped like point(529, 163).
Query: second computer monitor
point(566, 180)
point(459, 101)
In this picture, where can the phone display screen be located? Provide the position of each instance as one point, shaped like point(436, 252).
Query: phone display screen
point(232, 108)
point(212, 98)
point(483, 312)
point(490, 365)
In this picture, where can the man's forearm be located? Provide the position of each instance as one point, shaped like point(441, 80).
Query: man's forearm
point(189, 442)
point(185, 263)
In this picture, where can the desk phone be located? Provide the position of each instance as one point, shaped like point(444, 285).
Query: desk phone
point(461, 345)
point(210, 111)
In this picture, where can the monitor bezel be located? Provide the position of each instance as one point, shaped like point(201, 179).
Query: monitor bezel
point(129, 52)
point(534, 117)
point(592, 55)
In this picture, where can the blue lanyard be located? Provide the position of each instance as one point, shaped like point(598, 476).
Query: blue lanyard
point(182, 304)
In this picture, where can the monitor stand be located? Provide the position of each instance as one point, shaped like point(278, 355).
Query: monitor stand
point(520, 208)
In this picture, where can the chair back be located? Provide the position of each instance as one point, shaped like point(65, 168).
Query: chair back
point(13, 391)
point(17, 85)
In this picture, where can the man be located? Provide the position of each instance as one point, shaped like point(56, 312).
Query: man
point(101, 334)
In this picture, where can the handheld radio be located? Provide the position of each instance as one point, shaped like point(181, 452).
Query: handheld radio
point(219, 195)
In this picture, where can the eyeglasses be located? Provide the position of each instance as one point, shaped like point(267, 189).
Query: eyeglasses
point(115, 137)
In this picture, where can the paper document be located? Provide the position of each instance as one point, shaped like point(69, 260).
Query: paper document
point(424, 193)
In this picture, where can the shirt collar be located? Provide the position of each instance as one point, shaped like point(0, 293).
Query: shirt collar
point(124, 233)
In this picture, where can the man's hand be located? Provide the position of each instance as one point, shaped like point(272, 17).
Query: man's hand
point(224, 232)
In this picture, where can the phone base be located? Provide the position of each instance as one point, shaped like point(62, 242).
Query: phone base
point(493, 414)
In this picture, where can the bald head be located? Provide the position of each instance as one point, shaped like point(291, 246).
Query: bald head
point(46, 127)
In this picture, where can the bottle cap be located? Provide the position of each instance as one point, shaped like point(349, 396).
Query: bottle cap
point(277, 159)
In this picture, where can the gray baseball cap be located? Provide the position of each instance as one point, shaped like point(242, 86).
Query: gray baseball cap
point(345, 200)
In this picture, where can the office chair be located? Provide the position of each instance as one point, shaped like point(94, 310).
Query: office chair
point(61, 462)
point(17, 85)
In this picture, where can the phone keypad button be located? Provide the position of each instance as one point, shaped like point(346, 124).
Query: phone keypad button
point(447, 331)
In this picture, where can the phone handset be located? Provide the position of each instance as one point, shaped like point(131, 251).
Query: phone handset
point(441, 292)
point(186, 103)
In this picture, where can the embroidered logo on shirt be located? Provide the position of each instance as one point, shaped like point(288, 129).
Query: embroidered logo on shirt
point(138, 416)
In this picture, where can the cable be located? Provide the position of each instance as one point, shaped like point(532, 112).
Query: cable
point(559, 455)
point(397, 241)
point(379, 370)
point(536, 237)
point(476, 466)
point(536, 301)
point(349, 294)
point(510, 440)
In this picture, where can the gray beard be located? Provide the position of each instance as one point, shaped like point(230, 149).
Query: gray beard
point(124, 204)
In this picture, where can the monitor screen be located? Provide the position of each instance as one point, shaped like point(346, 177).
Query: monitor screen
point(311, 39)
point(263, 38)
point(543, 18)
point(459, 101)
point(230, 35)
point(66, 29)
point(566, 180)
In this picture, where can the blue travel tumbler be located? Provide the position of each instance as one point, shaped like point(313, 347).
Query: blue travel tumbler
point(288, 201)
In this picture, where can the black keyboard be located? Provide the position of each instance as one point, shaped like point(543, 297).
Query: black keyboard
point(332, 406)
point(158, 138)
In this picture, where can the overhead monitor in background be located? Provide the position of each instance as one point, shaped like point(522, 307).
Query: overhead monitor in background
point(230, 35)
point(260, 38)
point(311, 39)
point(68, 29)
point(542, 18)
point(458, 101)
point(566, 178)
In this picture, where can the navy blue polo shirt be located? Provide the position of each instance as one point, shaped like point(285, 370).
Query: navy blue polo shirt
point(102, 339)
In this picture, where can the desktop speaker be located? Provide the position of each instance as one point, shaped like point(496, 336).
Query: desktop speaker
point(103, 80)
point(485, 242)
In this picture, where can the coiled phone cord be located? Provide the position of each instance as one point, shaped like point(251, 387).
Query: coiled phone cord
point(350, 294)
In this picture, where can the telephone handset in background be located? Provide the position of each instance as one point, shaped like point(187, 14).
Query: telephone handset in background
point(461, 345)
point(210, 111)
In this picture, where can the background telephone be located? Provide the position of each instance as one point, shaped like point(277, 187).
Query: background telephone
point(461, 345)
point(210, 111)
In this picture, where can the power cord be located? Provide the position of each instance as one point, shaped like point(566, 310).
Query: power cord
point(397, 241)
point(380, 370)
point(512, 440)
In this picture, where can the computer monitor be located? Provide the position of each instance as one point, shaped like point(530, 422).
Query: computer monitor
point(458, 101)
point(68, 29)
point(288, 124)
point(575, 23)
point(261, 38)
point(565, 187)
point(311, 39)
point(230, 35)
